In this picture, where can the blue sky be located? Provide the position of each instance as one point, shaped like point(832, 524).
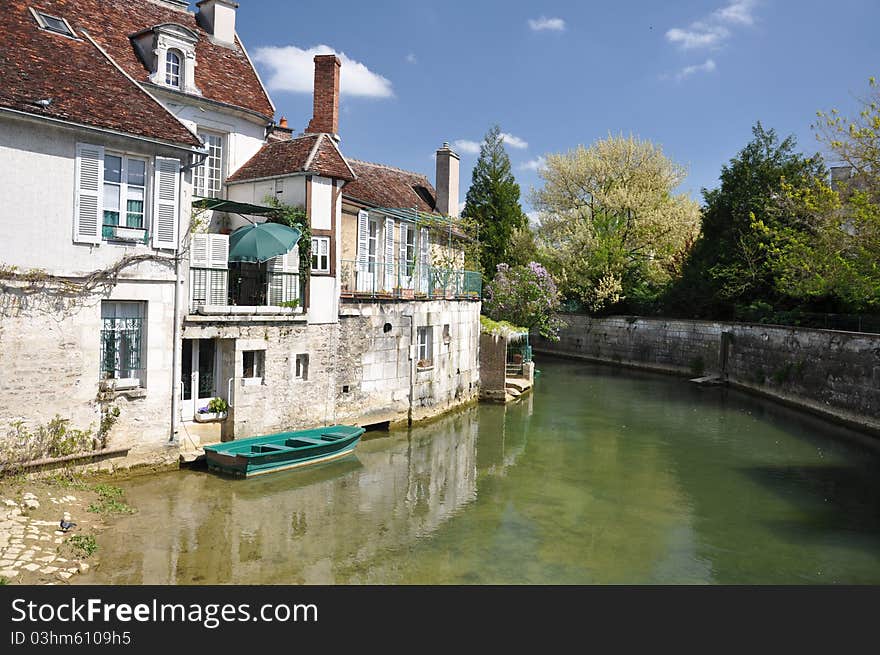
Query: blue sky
point(691, 75)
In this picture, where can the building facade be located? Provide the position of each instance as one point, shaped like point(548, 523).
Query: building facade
point(121, 314)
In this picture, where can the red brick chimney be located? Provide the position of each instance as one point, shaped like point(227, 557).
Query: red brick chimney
point(325, 117)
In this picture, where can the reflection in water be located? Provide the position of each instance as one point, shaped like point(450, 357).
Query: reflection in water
point(599, 476)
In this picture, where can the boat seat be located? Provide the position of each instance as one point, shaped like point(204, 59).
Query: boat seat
point(268, 448)
point(299, 442)
point(333, 436)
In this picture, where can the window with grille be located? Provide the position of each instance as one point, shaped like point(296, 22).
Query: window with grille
point(208, 176)
point(320, 254)
point(123, 342)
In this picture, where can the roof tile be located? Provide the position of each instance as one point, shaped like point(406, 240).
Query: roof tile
point(83, 85)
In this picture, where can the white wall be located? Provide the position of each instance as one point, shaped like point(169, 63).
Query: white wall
point(322, 205)
point(37, 168)
point(244, 137)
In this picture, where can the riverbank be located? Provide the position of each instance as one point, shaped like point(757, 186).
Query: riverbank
point(33, 548)
point(829, 373)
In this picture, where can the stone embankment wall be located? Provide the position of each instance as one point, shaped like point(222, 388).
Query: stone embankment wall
point(829, 372)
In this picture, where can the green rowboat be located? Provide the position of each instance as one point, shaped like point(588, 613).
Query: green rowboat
point(282, 451)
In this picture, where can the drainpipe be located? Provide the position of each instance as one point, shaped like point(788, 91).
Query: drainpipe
point(412, 363)
point(178, 315)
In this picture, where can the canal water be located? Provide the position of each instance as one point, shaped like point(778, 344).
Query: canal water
point(600, 476)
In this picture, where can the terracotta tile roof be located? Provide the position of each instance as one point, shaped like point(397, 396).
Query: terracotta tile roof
point(223, 74)
point(311, 153)
point(385, 186)
point(85, 87)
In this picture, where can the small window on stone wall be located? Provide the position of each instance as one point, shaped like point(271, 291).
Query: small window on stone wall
point(302, 367)
point(447, 337)
point(252, 364)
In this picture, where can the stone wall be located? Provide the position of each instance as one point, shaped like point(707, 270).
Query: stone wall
point(50, 354)
point(833, 373)
point(377, 359)
point(493, 367)
point(361, 370)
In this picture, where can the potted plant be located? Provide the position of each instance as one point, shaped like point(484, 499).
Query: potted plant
point(216, 410)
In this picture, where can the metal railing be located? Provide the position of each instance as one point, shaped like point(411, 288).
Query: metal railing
point(121, 348)
point(220, 287)
point(407, 280)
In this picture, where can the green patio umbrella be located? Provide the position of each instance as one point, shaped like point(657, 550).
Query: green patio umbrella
point(261, 242)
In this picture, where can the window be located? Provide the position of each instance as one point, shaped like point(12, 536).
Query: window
point(320, 254)
point(302, 367)
point(54, 24)
point(426, 346)
point(373, 241)
point(447, 337)
point(253, 363)
point(172, 69)
point(410, 250)
point(208, 175)
point(122, 340)
point(125, 182)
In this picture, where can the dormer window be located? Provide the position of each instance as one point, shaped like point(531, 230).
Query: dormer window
point(169, 53)
point(53, 23)
point(172, 69)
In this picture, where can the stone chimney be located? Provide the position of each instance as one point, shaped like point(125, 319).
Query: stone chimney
point(218, 18)
point(325, 117)
point(447, 181)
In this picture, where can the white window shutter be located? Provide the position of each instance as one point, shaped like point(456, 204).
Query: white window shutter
point(424, 271)
point(389, 254)
point(218, 251)
point(217, 294)
point(88, 209)
point(362, 236)
point(404, 228)
point(424, 247)
point(166, 182)
point(198, 251)
point(283, 284)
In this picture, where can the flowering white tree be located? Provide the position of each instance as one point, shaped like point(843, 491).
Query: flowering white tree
point(610, 220)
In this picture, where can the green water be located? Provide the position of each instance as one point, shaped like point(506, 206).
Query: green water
point(600, 476)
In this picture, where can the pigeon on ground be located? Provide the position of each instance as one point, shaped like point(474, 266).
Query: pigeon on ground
point(66, 524)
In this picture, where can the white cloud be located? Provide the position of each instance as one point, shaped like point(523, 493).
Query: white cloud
point(293, 69)
point(707, 66)
point(466, 146)
point(699, 36)
point(514, 141)
point(534, 218)
point(533, 164)
point(411, 59)
point(737, 12)
point(543, 23)
point(714, 30)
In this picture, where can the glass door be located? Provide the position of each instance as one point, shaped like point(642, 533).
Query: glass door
point(198, 375)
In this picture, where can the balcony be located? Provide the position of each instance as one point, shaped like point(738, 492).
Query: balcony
point(245, 289)
point(407, 281)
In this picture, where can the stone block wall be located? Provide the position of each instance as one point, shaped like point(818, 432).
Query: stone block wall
point(50, 354)
point(829, 372)
point(493, 363)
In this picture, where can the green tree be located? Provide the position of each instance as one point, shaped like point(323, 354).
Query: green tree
point(611, 225)
point(492, 203)
point(746, 224)
point(839, 257)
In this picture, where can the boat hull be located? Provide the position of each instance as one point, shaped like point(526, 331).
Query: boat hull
point(282, 451)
